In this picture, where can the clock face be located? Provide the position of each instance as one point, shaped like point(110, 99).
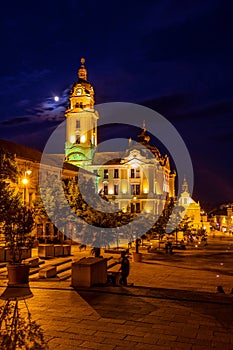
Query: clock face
point(79, 92)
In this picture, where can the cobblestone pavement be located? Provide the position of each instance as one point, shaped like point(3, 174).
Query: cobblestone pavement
point(173, 304)
point(129, 318)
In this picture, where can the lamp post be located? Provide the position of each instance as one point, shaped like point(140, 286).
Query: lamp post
point(25, 181)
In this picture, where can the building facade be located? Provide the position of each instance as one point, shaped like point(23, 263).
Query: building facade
point(192, 210)
point(28, 162)
point(221, 219)
point(139, 178)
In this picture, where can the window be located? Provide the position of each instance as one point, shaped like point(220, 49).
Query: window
point(135, 173)
point(77, 124)
point(105, 173)
point(132, 173)
point(116, 190)
point(135, 190)
point(135, 207)
point(116, 173)
point(105, 190)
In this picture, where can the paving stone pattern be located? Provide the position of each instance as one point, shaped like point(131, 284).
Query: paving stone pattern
point(172, 305)
point(117, 318)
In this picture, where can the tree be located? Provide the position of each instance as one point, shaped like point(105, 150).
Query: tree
point(17, 231)
point(9, 199)
point(16, 221)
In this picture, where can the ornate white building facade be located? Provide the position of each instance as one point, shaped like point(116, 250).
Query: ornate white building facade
point(139, 178)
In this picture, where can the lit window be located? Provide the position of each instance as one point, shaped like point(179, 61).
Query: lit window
point(105, 173)
point(83, 139)
point(72, 139)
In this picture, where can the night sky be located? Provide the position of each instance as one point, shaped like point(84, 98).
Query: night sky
point(172, 56)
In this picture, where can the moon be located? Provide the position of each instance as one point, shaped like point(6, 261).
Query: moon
point(56, 98)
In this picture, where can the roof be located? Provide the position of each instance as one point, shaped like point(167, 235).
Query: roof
point(107, 157)
point(34, 155)
point(115, 161)
point(21, 151)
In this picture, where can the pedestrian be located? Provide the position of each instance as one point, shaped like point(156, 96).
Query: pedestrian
point(124, 268)
point(170, 248)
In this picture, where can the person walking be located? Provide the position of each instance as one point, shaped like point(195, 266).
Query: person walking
point(124, 268)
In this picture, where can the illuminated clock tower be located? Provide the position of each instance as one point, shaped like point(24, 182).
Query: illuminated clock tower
point(81, 122)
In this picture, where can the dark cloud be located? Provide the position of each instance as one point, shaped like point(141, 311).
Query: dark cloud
point(15, 121)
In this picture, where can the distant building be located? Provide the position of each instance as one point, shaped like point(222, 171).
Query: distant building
point(221, 219)
point(192, 210)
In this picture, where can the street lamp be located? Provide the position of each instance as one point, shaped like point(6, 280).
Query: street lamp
point(25, 182)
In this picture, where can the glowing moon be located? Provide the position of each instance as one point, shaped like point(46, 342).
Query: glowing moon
point(56, 98)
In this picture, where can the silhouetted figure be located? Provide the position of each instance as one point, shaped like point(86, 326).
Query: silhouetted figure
point(124, 269)
point(82, 246)
point(96, 252)
point(168, 248)
point(220, 289)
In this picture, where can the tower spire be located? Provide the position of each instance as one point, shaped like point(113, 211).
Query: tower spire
point(185, 185)
point(82, 72)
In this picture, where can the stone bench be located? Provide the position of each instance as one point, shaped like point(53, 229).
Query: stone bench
point(113, 274)
point(88, 272)
point(66, 249)
point(46, 250)
point(48, 271)
point(58, 250)
point(33, 262)
point(53, 250)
